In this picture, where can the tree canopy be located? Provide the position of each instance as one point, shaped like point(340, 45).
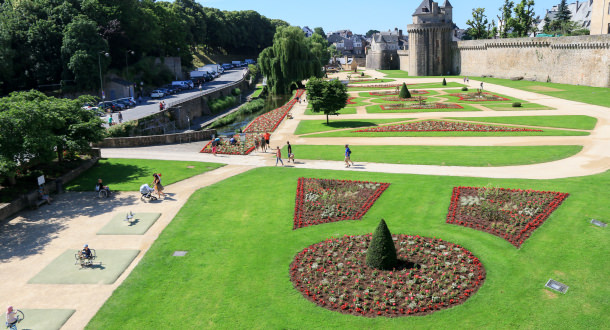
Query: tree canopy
point(478, 24)
point(328, 96)
point(292, 58)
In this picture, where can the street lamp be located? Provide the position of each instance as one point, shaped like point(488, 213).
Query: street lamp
point(99, 62)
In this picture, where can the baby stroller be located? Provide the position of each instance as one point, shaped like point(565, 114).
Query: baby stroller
point(147, 192)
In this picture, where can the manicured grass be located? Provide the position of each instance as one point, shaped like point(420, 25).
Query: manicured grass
point(258, 91)
point(509, 106)
point(377, 109)
point(575, 122)
point(435, 85)
point(312, 126)
point(130, 174)
point(241, 243)
point(351, 133)
point(585, 94)
point(360, 101)
point(455, 99)
point(440, 155)
point(348, 110)
point(375, 81)
point(368, 95)
point(395, 73)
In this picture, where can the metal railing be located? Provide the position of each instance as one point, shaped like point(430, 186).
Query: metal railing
point(205, 92)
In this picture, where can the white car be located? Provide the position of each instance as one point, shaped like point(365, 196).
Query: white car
point(157, 94)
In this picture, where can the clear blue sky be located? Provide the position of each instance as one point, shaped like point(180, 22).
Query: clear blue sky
point(358, 15)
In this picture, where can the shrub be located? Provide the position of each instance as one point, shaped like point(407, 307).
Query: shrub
point(464, 89)
point(404, 92)
point(516, 104)
point(381, 253)
point(221, 103)
point(247, 108)
point(236, 91)
point(361, 74)
point(444, 82)
point(122, 130)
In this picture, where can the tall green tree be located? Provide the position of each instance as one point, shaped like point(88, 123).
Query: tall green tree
point(524, 18)
point(319, 31)
point(505, 19)
point(319, 47)
point(478, 24)
point(370, 33)
point(289, 60)
point(328, 96)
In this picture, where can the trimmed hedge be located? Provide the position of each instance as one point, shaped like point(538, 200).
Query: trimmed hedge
point(381, 253)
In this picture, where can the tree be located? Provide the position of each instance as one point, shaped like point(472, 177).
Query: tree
point(524, 18)
point(319, 47)
point(505, 19)
point(289, 60)
point(478, 24)
point(319, 31)
point(444, 82)
point(404, 92)
point(326, 96)
point(371, 32)
point(381, 253)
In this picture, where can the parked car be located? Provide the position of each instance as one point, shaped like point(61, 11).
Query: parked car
point(164, 90)
point(157, 94)
point(108, 106)
point(125, 103)
point(88, 106)
point(172, 89)
point(131, 101)
point(227, 66)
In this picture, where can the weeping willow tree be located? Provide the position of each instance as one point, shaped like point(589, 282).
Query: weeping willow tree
point(290, 59)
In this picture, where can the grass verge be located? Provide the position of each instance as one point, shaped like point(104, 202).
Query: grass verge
point(240, 245)
point(440, 155)
point(130, 174)
point(348, 110)
point(312, 126)
point(377, 109)
point(574, 122)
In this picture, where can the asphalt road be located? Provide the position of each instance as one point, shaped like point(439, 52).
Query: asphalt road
point(151, 106)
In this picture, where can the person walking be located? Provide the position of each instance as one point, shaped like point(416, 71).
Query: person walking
point(481, 86)
point(110, 120)
point(278, 156)
point(164, 105)
point(348, 154)
point(160, 106)
point(290, 154)
point(157, 184)
point(263, 146)
point(120, 118)
point(214, 147)
point(267, 137)
point(257, 144)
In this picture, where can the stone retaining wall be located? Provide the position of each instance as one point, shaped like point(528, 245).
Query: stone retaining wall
point(150, 140)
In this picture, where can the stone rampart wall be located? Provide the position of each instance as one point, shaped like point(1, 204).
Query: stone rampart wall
point(580, 60)
point(382, 60)
point(403, 56)
point(151, 140)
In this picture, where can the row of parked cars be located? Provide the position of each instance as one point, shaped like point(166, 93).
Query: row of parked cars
point(173, 88)
point(111, 106)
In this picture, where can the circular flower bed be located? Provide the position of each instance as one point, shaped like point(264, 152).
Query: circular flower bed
point(476, 97)
point(432, 274)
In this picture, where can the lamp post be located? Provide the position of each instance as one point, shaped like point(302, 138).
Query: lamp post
point(127, 52)
point(99, 62)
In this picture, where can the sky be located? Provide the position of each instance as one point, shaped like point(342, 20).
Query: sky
point(359, 15)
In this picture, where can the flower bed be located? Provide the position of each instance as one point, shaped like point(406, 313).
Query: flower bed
point(411, 99)
point(444, 126)
point(269, 121)
point(375, 85)
point(432, 275)
point(324, 200)
point(350, 100)
point(476, 97)
point(226, 148)
point(384, 93)
point(512, 214)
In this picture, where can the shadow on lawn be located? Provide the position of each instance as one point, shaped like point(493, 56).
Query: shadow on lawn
point(348, 124)
point(28, 232)
point(111, 174)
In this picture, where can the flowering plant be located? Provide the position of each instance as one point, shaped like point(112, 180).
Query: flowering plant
point(394, 92)
point(326, 200)
point(512, 214)
point(444, 126)
point(479, 97)
point(227, 148)
point(269, 121)
point(432, 274)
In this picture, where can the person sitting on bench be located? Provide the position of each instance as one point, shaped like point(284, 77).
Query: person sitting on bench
point(86, 252)
point(43, 195)
point(100, 186)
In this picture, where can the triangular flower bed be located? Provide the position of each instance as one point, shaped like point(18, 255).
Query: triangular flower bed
point(444, 126)
point(512, 214)
point(325, 200)
point(476, 97)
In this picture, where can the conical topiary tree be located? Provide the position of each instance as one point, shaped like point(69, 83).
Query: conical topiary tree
point(444, 82)
point(382, 252)
point(404, 92)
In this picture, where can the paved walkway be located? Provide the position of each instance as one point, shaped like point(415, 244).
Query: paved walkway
point(33, 239)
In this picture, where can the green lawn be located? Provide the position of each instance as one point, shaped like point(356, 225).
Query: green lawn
point(377, 109)
point(575, 122)
point(359, 102)
point(348, 110)
point(130, 174)
point(240, 243)
point(258, 91)
point(509, 106)
point(395, 73)
point(435, 85)
point(456, 99)
point(312, 126)
point(368, 95)
point(585, 94)
point(440, 155)
point(375, 81)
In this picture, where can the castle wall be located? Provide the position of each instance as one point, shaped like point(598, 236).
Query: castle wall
point(430, 47)
point(382, 60)
point(580, 60)
point(403, 57)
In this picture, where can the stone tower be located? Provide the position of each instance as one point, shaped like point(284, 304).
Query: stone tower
point(430, 39)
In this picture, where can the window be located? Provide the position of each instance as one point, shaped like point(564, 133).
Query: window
point(608, 28)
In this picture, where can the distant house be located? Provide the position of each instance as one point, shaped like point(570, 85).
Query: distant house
point(384, 41)
point(580, 10)
point(308, 32)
